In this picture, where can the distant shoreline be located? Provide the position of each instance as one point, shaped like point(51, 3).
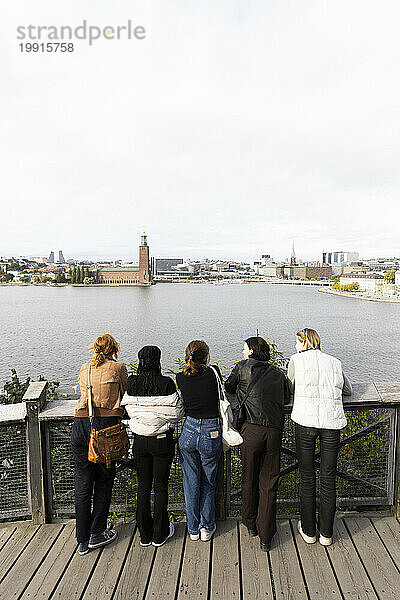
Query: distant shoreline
point(359, 296)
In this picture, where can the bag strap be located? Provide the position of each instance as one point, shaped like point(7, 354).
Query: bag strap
point(221, 391)
point(90, 395)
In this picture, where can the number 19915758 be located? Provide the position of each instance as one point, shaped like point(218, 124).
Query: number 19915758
point(47, 47)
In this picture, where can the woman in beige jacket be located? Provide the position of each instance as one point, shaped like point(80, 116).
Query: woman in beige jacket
point(93, 481)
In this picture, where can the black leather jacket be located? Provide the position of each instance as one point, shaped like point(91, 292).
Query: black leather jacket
point(265, 403)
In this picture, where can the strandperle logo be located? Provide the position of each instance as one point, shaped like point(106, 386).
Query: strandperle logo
point(89, 33)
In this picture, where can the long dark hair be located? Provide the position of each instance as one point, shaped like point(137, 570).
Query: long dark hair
point(145, 382)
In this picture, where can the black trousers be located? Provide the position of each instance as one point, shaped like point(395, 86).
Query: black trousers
point(305, 447)
point(154, 457)
point(93, 481)
point(260, 453)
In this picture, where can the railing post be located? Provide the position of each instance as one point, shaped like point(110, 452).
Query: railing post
point(35, 399)
point(397, 465)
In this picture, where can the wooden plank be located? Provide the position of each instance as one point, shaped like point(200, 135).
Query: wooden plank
point(12, 413)
point(77, 574)
point(59, 409)
point(380, 568)
point(136, 571)
point(320, 580)
point(105, 575)
point(164, 575)
point(349, 570)
point(225, 561)
point(17, 542)
point(362, 393)
point(195, 570)
point(288, 580)
point(256, 579)
point(389, 531)
point(5, 533)
point(389, 391)
point(24, 568)
point(53, 566)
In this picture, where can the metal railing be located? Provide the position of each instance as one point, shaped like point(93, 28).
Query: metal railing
point(37, 475)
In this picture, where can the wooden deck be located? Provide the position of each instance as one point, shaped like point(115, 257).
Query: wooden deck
point(364, 562)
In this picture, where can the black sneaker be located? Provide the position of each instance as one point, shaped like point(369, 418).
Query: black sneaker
point(102, 539)
point(83, 548)
point(265, 546)
point(252, 532)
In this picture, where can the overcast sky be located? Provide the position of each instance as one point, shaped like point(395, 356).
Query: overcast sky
point(234, 128)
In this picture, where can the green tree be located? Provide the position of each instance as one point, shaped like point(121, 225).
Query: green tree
point(389, 276)
point(6, 277)
point(72, 274)
point(78, 275)
point(60, 278)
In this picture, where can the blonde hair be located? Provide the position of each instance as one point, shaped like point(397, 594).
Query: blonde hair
point(104, 348)
point(310, 337)
point(196, 357)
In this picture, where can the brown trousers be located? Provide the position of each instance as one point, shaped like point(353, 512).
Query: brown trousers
point(260, 474)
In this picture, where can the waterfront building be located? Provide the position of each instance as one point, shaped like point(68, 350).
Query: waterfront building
point(304, 271)
point(51, 258)
point(120, 275)
point(164, 266)
point(368, 282)
point(61, 258)
point(339, 257)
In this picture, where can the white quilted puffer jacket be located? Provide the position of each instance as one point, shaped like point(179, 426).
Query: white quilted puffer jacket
point(153, 415)
point(318, 383)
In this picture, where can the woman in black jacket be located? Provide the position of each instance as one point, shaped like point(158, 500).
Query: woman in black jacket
point(263, 389)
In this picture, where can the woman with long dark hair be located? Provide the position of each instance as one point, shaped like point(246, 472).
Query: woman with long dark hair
point(319, 383)
point(153, 406)
point(200, 443)
point(262, 389)
point(94, 481)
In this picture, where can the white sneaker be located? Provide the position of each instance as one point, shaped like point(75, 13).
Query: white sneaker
point(171, 533)
point(194, 536)
point(325, 541)
point(206, 535)
point(307, 538)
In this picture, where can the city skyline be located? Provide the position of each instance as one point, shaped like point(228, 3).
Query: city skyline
point(232, 129)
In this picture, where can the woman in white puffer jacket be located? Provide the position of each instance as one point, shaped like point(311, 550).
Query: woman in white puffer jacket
point(319, 382)
point(154, 406)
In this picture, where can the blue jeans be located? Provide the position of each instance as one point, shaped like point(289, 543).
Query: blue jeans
point(200, 446)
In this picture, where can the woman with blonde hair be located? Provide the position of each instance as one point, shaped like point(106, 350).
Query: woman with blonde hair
point(94, 481)
point(200, 443)
point(319, 382)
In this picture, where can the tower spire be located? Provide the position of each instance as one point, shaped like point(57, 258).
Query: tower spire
point(293, 256)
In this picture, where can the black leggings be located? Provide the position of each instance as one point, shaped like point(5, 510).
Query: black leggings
point(305, 448)
point(154, 457)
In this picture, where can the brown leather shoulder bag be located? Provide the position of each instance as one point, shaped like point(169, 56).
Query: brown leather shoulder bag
point(105, 445)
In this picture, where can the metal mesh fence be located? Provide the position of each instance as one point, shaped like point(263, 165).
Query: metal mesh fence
point(14, 500)
point(363, 468)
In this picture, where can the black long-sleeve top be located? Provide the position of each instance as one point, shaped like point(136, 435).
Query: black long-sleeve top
point(200, 393)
